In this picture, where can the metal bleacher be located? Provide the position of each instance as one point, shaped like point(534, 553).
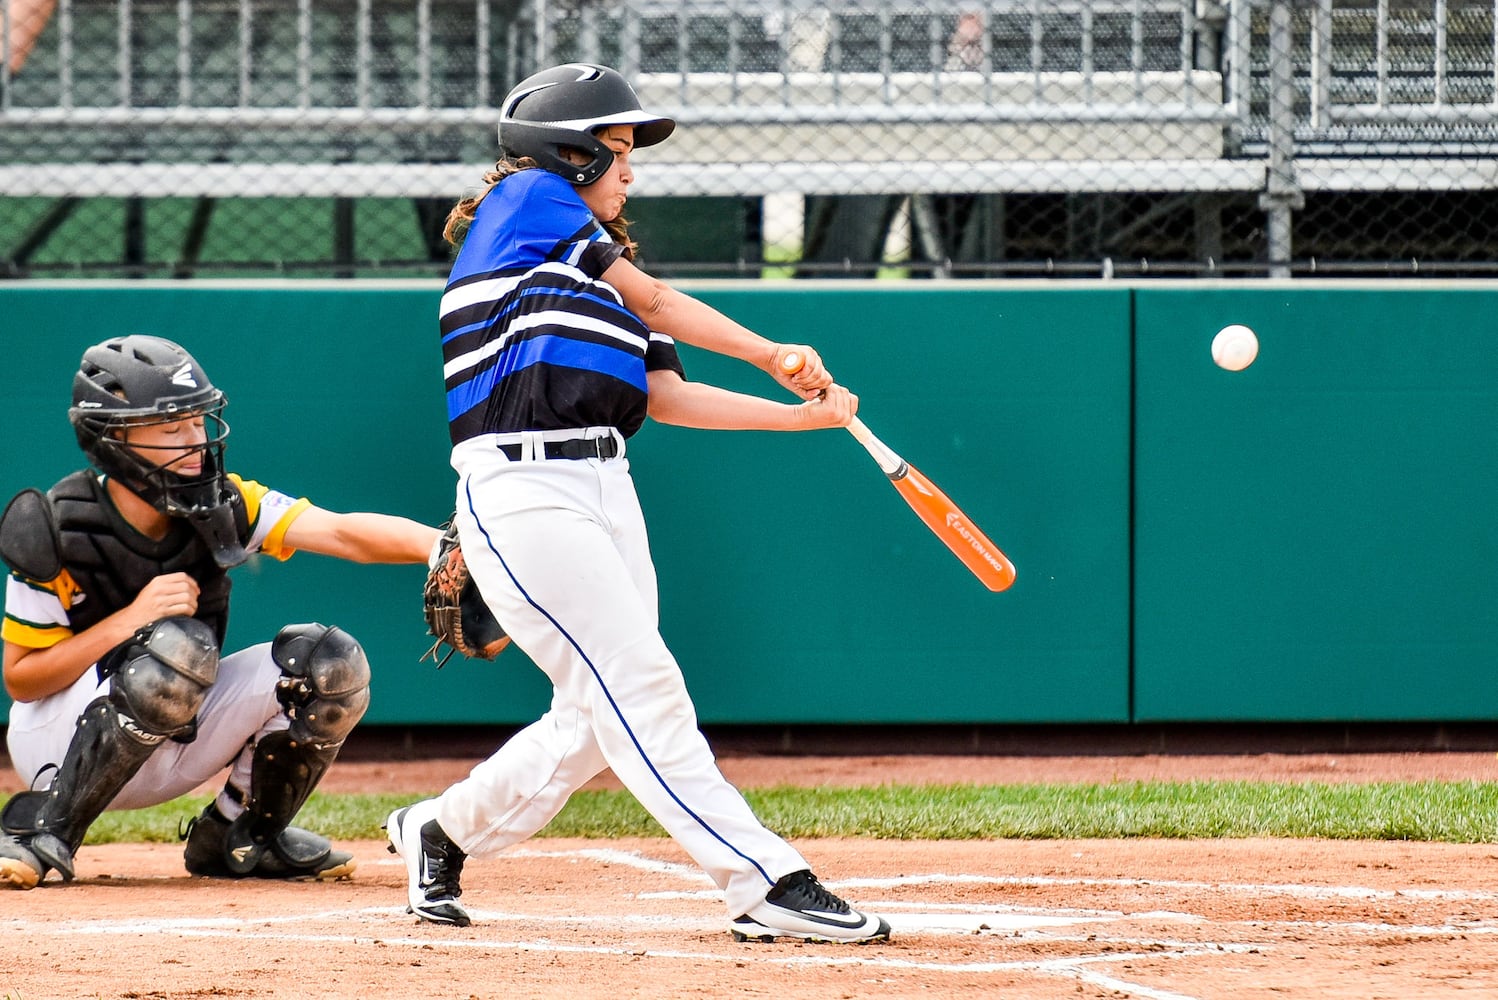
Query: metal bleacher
point(136, 96)
point(379, 98)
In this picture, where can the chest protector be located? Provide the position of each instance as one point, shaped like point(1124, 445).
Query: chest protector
point(110, 561)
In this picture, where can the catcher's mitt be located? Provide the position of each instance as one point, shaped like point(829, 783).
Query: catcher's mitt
point(455, 612)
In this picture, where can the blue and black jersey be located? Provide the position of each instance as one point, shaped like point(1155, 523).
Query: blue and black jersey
point(532, 337)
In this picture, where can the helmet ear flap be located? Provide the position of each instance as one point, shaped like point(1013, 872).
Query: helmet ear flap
point(544, 143)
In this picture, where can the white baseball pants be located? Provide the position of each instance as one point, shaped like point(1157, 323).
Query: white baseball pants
point(558, 549)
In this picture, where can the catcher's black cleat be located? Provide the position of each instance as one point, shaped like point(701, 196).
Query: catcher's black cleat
point(293, 854)
point(19, 867)
point(799, 907)
point(434, 864)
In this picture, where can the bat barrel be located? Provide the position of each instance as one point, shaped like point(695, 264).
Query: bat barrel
point(983, 558)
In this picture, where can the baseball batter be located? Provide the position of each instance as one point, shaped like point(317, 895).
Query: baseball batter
point(556, 348)
point(115, 615)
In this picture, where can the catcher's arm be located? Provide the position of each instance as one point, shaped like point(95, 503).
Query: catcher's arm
point(456, 614)
point(360, 536)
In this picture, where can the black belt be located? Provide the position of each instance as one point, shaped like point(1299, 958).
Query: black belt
point(599, 447)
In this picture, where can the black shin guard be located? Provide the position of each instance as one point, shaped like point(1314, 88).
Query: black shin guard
point(158, 678)
point(324, 690)
point(106, 751)
point(283, 774)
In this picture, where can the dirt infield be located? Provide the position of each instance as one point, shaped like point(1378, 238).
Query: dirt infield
point(1032, 919)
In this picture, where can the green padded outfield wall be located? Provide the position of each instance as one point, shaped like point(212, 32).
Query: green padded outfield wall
point(795, 584)
point(1310, 539)
point(1315, 536)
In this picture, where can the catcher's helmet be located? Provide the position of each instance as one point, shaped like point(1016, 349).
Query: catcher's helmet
point(139, 381)
point(565, 106)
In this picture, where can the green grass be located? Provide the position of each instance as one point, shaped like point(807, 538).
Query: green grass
point(780, 262)
point(1454, 812)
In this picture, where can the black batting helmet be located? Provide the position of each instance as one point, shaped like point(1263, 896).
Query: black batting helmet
point(565, 106)
point(137, 381)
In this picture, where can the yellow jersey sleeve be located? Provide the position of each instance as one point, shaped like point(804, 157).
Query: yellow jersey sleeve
point(36, 614)
point(270, 513)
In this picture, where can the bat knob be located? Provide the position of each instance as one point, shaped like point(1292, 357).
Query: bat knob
point(792, 362)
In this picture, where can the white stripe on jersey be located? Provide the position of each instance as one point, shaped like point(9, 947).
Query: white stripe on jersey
point(545, 317)
point(494, 289)
point(656, 337)
point(488, 290)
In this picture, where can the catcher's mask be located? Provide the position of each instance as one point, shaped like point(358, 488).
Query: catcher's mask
point(137, 381)
point(564, 107)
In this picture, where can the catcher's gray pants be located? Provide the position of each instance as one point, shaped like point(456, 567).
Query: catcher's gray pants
point(238, 709)
point(558, 549)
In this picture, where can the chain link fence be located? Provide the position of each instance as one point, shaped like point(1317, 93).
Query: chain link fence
point(922, 138)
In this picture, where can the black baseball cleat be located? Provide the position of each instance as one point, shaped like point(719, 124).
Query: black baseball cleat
point(293, 854)
point(800, 907)
point(434, 864)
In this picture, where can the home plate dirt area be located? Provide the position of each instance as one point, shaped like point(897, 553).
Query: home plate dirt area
point(634, 918)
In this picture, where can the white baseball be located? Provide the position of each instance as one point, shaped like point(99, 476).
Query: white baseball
point(1235, 347)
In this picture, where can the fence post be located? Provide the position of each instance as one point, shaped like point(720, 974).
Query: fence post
point(1282, 194)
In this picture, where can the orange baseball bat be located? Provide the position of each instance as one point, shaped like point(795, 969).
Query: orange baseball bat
point(945, 519)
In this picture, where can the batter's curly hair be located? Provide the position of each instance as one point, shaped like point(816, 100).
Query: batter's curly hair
point(455, 230)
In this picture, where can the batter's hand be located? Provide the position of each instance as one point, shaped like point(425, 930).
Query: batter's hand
point(835, 407)
point(166, 596)
point(810, 379)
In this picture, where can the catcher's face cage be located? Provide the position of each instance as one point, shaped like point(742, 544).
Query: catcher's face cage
point(563, 107)
point(143, 467)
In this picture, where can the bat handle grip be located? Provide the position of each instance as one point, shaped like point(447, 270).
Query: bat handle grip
point(890, 463)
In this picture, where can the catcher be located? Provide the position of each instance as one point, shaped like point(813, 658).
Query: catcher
point(115, 615)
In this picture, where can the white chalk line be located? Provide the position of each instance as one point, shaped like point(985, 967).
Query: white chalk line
point(965, 924)
point(1243, 888)
point(1078, 968)
point(759, 952)
point(687, 872)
